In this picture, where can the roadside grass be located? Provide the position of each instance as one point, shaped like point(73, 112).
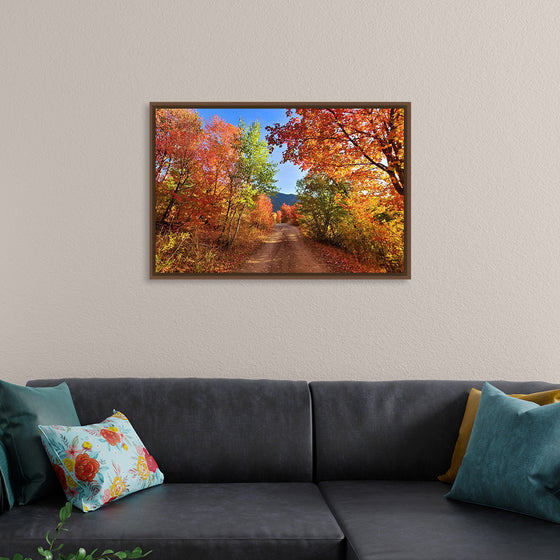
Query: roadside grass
point(199, 252)
point(341, 261)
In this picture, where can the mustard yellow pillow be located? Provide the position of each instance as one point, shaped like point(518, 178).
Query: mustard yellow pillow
point(541, 398)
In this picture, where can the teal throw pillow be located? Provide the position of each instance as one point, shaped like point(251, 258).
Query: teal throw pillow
point(513, 457)
point(99, 463)
point(21, 410)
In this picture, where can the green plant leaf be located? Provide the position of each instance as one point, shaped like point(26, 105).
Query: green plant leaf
point(65, 512)
point(121, 555)
point(68, 508)
point(105, 552)
point(18, 557)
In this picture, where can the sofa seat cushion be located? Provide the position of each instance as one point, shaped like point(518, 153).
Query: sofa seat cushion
point(412, 520)
point(192, 521)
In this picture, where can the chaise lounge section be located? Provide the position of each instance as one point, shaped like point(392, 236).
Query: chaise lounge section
point(379, 449)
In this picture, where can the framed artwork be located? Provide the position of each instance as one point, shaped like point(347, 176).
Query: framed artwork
point(280, 190)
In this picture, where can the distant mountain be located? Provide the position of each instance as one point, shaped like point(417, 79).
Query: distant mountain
point(282, 198)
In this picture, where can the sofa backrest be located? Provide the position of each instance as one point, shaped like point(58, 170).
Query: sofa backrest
point(400, 430)
point(208, 430)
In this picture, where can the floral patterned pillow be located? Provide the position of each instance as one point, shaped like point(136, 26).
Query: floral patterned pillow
point(99, 463)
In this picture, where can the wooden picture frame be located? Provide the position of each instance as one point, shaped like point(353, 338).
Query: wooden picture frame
point(210, 203)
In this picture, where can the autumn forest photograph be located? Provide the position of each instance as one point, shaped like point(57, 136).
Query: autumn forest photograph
point(242, 190)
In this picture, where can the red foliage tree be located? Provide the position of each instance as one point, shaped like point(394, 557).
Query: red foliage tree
point(261, 215)
point(285, 213)
point(178, 142)
point(346, 144)
point(288, 215)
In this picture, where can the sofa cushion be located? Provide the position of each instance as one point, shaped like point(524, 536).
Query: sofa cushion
point(100, 463)
point(209, 430)
point(541, 398)
point(276, 521)
point(411, 520)
point(513, 457)
point(400, 430)
point(21, 410)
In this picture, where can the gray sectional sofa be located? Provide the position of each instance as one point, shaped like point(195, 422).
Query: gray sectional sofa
point(285, 470)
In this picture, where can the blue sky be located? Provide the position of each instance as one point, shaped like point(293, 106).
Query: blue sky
point(288, 173)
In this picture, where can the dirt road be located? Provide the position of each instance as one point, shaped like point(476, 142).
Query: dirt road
point(284, 251)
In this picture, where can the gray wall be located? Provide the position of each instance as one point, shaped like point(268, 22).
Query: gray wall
point(483, 78)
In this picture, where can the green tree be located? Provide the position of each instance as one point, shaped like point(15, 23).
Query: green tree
point(320, 207)
point(256, 174)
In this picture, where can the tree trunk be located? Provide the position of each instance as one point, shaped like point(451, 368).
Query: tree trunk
point(225, 221)
point(238, 223)
point(171, 203)
point(229, 230)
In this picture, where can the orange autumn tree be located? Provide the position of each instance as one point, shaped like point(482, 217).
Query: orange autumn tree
point(219, 162)
point(372, 228)
point(196, 168)
point(178, 144)
point(356, 154)
point(345, 144)
point(261, 214)
point(285, 213)
point(293, 215)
